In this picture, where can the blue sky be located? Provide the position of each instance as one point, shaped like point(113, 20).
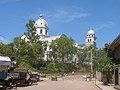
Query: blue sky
point(71, 17)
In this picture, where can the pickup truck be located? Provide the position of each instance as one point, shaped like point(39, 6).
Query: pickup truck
point(21, 76)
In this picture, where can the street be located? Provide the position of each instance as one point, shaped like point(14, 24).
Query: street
point(69, 83)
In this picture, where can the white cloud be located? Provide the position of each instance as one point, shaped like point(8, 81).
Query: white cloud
point(64, 16)
point(100, 27)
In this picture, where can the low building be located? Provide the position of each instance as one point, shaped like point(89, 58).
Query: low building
point(115, 46)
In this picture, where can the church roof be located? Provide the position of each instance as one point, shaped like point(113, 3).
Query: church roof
point(41, 23)
point(52, 37)
point(90, 32)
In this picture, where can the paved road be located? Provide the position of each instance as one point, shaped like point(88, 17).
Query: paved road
point(69, 83)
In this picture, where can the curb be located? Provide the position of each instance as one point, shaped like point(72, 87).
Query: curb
point(118, 88)
point(99, 87)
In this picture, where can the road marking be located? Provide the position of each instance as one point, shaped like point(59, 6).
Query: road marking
point(95, 86)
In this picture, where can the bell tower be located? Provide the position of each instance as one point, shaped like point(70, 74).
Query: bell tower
point(41, 27)
point(90, 38)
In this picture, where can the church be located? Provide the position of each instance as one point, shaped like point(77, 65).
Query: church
point(42, 30)
point(90, 38)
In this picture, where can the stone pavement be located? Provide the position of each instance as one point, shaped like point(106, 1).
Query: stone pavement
point(101, 86)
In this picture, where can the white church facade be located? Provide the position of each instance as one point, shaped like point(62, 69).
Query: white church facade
point(42, 30)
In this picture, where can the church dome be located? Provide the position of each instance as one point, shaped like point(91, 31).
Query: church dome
point(41, 23)
point(90, 32)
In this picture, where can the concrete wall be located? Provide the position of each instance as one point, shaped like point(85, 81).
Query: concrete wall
point(99, 76)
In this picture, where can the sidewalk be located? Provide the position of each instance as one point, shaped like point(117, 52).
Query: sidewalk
point(104, 87)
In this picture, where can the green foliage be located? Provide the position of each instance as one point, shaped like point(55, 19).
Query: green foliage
point(61, 67)
point(104, 62)
point(25, 65)
point(26, 53)
point(31, 54)
point(62, 50)
point(51, 68)
point(7, 50)
point(31, 34)
point(84, 53)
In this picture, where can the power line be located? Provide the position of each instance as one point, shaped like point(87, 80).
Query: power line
point(5, 39)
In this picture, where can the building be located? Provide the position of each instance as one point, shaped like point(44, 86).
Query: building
point(42, 29)
point(90, 38)
point(115, 46)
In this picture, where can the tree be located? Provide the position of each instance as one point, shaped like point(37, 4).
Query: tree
point(31, 35)
point(7, 50)
point(62, 49)
point(84, 53)
point(27, 53)
point(38, 53)
point(104, 62)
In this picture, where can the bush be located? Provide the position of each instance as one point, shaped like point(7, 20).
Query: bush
point(51, 68)
point(60, 68)
point(27, 66)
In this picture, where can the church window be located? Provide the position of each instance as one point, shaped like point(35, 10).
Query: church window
point(88, 40)
point(46, 32)
point(41, 23)
point(41, 31)
point(45, 48)
point(75, 60)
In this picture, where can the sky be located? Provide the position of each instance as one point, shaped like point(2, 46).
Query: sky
point(70, 17)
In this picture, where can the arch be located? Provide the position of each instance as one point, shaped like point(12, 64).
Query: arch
point(41, 31)
point(88, 40)
point(46, 32)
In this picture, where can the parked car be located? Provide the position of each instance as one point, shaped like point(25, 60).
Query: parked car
point(84, 76)
point(33, 76)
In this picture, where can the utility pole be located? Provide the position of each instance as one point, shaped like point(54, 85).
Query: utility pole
point(91, 63)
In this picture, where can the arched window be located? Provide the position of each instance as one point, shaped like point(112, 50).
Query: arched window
point(41, 31)
point(88, 40)
point(46, 32)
